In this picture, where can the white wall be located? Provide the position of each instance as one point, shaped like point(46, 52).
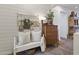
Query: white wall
point(61, 19)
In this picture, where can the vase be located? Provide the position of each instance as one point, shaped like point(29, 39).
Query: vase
point(49, 22)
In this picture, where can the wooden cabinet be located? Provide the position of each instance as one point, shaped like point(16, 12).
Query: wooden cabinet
point(51, 34)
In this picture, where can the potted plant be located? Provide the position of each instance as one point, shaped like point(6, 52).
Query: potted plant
point(50, 17)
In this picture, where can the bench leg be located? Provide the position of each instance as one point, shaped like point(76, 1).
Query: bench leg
point(14, 52)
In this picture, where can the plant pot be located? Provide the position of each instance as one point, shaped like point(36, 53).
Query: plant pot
point(49, 22)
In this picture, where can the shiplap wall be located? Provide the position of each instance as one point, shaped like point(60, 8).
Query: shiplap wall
point(8, 28)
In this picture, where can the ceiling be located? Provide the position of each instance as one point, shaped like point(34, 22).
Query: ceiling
point(37, 8)
point(42, 8)
point(68, 6)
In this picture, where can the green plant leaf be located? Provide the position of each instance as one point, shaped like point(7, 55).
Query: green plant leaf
point(50, 15)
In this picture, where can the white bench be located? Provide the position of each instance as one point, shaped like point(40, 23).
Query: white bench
point(19, 48)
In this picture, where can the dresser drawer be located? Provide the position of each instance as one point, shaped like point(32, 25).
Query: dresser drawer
point(52, 37)
point(51, 41)
point(52, 34)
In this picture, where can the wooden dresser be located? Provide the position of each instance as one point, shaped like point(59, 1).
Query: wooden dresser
point(51, 34)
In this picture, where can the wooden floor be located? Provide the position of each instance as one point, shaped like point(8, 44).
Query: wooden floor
point(65, 48)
